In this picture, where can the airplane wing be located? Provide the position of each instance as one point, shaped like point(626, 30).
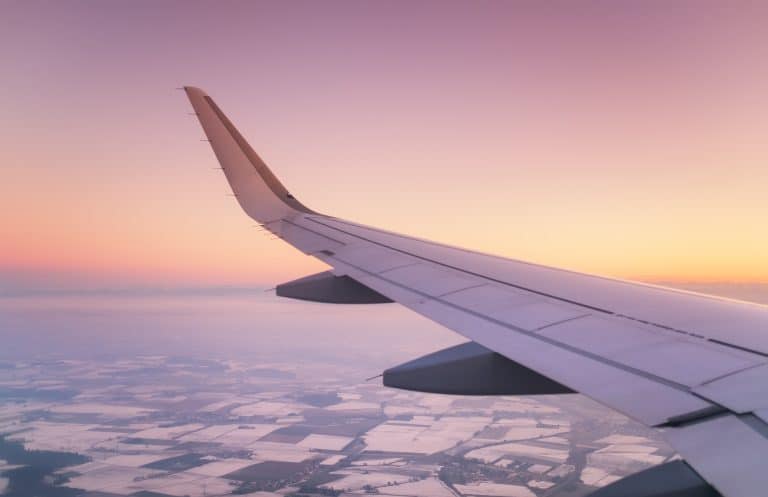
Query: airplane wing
point(693, 366)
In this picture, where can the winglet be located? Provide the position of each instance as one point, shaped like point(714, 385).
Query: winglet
point(258, 191)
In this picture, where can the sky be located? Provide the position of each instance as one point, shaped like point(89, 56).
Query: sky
point(621, 138)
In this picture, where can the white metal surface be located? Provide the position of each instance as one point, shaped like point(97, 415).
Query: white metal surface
point(490, 298)
point(537, 315)
point(428, 279)
point(685, 362)
point(604, 336)
point(380, 259)
point(742, 392)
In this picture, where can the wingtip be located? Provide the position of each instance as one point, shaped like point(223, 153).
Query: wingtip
point(240, 162)
point(195, 91)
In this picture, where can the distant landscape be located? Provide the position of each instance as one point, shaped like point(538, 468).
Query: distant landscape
point(175, 426)
point(250, 395)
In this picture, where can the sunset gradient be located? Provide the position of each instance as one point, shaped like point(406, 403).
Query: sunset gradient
point(622, 138)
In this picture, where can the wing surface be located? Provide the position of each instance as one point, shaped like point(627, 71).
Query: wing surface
point(691, 365)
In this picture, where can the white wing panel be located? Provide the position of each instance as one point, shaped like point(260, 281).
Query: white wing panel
point(537, 315)
point(684, 362)
point(375, 258)
point(529, 313)
point(430, 280)
point(604, 336)
point(489, 298)
point(661, 353)
point(741, 392)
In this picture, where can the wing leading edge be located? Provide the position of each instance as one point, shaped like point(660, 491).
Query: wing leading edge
point(693, 366)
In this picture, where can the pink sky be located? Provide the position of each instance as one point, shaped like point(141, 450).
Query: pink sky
point(622, 138)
